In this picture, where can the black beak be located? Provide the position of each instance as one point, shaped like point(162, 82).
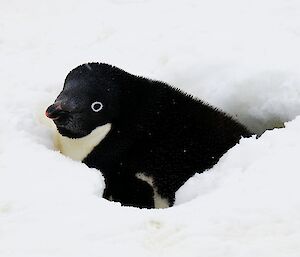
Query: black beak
point(55, 111)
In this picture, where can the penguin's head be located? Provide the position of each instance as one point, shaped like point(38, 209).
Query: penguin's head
point(89, 99)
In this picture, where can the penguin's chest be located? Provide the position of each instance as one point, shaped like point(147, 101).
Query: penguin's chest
point(79, 148)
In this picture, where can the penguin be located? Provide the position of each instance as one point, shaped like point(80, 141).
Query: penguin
point(147, 138)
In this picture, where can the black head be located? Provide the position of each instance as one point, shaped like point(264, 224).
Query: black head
point(90, 98)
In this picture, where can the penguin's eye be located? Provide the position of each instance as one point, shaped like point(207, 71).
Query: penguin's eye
point(97, 106)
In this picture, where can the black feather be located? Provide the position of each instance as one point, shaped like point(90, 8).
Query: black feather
point(157, 130)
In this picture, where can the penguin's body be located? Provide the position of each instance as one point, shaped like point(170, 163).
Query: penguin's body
point(146, 137)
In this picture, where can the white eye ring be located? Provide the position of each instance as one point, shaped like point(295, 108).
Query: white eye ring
point(97, 106)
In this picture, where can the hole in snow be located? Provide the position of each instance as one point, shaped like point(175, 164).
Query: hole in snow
point(264, 101)
point(260, 100)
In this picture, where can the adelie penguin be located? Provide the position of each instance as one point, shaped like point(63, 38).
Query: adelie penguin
point(146, 137)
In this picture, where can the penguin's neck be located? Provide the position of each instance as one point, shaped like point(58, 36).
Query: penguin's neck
point(79, 148)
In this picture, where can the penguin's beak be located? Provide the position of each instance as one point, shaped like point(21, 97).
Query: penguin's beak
point(55, 111)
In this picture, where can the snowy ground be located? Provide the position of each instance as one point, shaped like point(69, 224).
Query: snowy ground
point(242, 56)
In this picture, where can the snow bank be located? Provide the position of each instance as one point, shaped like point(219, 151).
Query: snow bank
point(241, 56)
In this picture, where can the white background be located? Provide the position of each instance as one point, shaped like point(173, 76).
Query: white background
point(241, 56)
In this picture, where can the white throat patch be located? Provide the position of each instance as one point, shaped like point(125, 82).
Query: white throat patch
point(79, 148)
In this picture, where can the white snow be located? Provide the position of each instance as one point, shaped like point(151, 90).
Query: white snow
point(241, 56)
